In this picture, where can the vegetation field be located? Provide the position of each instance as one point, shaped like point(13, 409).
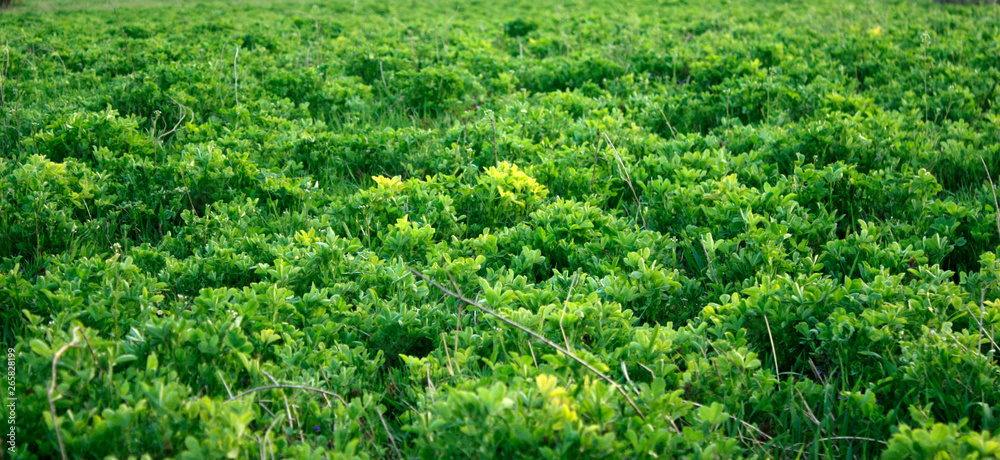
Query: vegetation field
point(500, 229)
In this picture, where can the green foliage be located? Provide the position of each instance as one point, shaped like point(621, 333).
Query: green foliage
point(939, 440)
point(769, 222)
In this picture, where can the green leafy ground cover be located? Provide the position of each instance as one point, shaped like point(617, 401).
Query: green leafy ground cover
point(770, 224)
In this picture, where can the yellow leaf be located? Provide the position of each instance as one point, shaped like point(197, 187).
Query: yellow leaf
point(546, 383)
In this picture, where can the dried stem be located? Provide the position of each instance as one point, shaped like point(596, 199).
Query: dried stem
point(845, 438)
point(741, 422)
point(128, 50)
point(628, 179)
point(444, 341)
point(566, 352)
point(629, 379)
point(183, 115)
point(53, 385)
point(493, 124)
point(3, 75)
point(294, 387)
point(288, 409)
point(236, 76)
point(774, 351)
point(533, 334)
point(381, 72)
point(267, 435)
point(672, 130)
point(566, 304)
point(982, 314)
point(389, 109)
point(224, 384)
point(389, 434)
point(996, 207)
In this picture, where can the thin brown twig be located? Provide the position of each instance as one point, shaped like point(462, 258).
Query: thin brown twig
point(653, 374)
point(533, 334)
point(430, 383)
point(187, 191)
point(458, 289)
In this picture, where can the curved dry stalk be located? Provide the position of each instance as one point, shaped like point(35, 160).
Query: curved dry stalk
point(996, 207)
point(389, 434)
point(53, 386)
point(288, 409)
point(741, 422)
point(261, 443)
point(628, 179)
point(294, 387)
point(569, 354)
point(183, 114)
point(844, 438)
point(90, 347)
point(629, 379)
point(493, 123)
point(267, 434)
point(774, 351)
point(566, 304)
point(672, 130)
point(236, 75)
point(533, 334)
point(224, 384)
point(3, 74)
point(982, 313)
point(230, 393)
point(444, 341)
point(128, 49)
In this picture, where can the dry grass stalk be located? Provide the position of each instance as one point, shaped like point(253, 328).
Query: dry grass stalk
point(236, 76)
point(627, 178)
point(294, 387)
point(389, 434)
point(537, 336)
point(53, 386)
